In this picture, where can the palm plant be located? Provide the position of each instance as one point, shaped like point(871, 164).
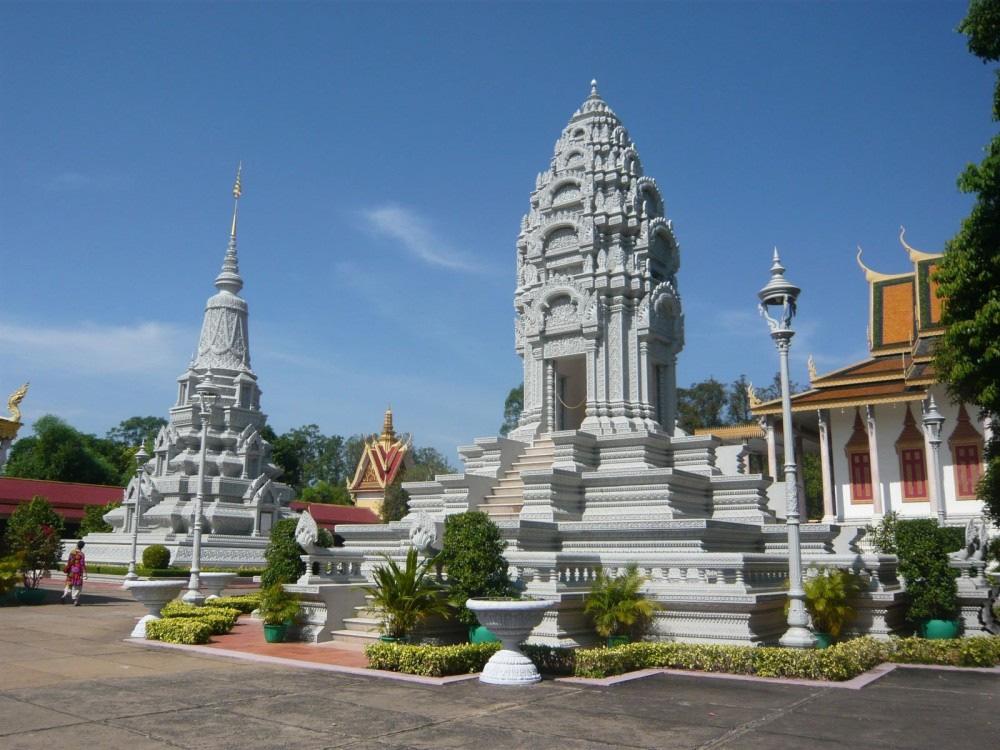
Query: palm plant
point(615, 603)
point(277, 606)
point(406, 596)
point(828, 600)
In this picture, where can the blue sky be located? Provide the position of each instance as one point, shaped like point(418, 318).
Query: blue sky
point(389, 151)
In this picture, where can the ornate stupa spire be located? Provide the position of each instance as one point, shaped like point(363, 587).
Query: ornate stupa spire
point(229, 279)
point(388, 433)
point(224, 341)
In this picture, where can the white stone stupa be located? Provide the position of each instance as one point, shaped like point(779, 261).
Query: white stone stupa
point(242, 497)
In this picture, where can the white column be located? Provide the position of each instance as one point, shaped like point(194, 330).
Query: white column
point(826, 470)
point(550, 397)
point(879, 508)
point(772, 448)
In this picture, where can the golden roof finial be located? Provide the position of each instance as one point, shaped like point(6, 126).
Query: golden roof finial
point(14, 402)
point(753, 397)
point(388, 433)
point(811, 364)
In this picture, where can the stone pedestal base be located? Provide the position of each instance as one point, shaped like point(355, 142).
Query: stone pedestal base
point(509, 668)
point(139, 631)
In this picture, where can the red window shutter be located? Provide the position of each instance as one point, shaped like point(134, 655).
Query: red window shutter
point(914, 474)
point(861, 476)
point(967, 469)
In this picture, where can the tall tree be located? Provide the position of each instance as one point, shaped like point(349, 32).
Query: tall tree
point(967, 357)
point(134, 430)
point(428, 462)
point(738, 402)
point(701, 405)
point(61, 453)
point(512, 409)
point(326, 493)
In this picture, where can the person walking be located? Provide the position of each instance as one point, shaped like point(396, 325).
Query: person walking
point(76, 573)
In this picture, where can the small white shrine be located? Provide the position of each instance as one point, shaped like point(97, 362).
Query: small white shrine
point(242, 497)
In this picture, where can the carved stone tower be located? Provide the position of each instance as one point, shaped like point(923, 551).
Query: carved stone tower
point(599, 320)
point(243, 500)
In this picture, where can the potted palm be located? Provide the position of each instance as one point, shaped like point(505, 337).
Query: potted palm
point(616, 605)
point(278, 609)
point(405, 596)
point(828, 601)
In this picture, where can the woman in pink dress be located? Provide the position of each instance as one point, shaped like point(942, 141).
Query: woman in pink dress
point(76, 572)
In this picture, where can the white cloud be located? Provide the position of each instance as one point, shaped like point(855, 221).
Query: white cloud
point(148, 347)
point(417, 236)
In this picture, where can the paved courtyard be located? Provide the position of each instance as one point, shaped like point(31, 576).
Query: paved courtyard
point(68, 680)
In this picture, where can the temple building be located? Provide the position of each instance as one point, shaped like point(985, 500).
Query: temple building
point(595, 476)
point(875, 442)
point(242, 497)
point(385, 459)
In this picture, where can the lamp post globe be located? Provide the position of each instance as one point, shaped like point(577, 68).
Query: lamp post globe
point(778, 300)
point(141, 457)
point(206, 396)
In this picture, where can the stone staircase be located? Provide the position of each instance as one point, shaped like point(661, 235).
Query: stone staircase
point(505, 501)
point(359, 630)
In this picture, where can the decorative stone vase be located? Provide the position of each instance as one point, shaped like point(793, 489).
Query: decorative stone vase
point(480, 634)
point(153, 595)
point(215, 583)
point(275, 633)
point(29, 596)
point(391, 639)
point(937, 630)
point(512, 621)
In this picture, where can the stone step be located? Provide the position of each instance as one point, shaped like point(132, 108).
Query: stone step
point(353, 639)
point(361, 624)
point(508, 492)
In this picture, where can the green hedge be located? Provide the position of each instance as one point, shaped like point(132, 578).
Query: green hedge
point(245, 603)
point(841, 661)
point(187, 630)
point(222, 619)
point(174, 572)
point(430, 661)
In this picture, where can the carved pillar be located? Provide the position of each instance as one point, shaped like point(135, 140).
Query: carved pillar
point(550, 396)
point(642, 372)
point(590, 357)
point(879, 506)
point(670, 385)
point(826, 465)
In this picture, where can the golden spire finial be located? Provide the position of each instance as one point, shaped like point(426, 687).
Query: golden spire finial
point(752, 396)
point(811, 364)
point(388, 433)
point(237, 192)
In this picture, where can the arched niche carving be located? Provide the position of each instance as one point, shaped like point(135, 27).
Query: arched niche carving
point(663, 246)
point(561, 236)
point(565, 191)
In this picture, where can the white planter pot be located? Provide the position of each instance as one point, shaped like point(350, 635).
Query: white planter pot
point(510, 620)
point(215, 583)
point(153, 594)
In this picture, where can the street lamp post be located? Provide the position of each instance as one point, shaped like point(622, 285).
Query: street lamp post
point(777, 305)
point(206, 395)
point(141, 457)
point(932, 427)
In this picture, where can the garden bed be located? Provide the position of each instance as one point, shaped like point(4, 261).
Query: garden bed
point(840, 662)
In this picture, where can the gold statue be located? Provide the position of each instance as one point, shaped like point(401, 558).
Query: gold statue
point(753, 397)
point(14, 402)
point(811, 364)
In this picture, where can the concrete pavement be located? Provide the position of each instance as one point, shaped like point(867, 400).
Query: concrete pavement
point(66, 679)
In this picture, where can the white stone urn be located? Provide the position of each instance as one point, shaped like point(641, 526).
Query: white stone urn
point(153, 595)
point(215, 583)
point(510, 620)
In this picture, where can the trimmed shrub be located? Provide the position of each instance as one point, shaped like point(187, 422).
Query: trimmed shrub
point(551, 659)
point(187, 630)
point(960, 652)
point(10, 576)
point(430, 661)
point(156, 557)
point(93, 519)
point(472, 554)
point(227, 616)
point(282, 554)
point(244, 603)
point(922, 547)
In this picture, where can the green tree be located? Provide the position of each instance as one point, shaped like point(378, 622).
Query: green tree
point(33, 537)
point(738, 402)
point(812, 480)
point(967, 357)
point(135, 430)
point(326, 493)
point(93, 519)
point(395, 502)
point(427, 463)
point(512, 409)
point(701, 405)
point(61, 453)
point(282, 555)
point(354, 449)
